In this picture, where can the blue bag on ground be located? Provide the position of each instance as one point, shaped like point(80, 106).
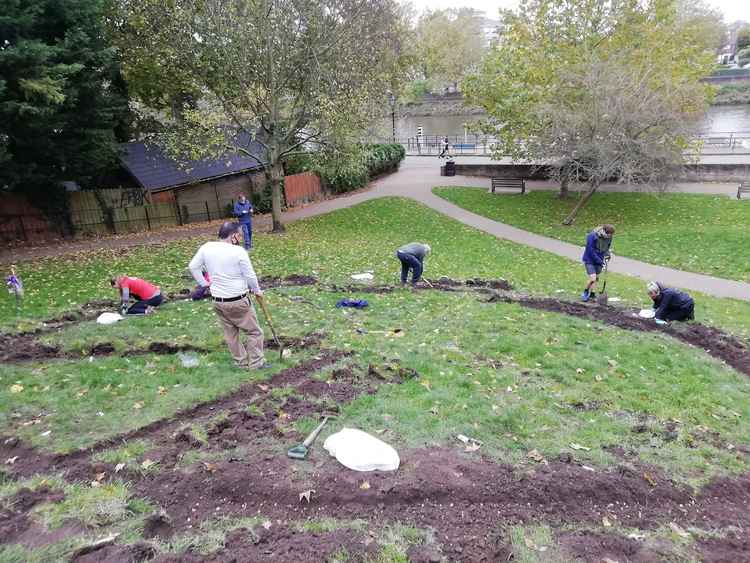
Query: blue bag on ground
point(356, 303)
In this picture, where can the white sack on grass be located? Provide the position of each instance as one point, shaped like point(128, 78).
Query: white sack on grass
point(647, 314)
point(108, 318)
point(359, 451)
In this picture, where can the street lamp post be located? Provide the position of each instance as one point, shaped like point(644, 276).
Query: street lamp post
point(392, 101)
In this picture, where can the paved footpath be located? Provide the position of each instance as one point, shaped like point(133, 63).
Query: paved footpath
point(415, 179)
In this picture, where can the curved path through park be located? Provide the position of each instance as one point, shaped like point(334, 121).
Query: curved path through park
point(415, 179)
point(418, 175)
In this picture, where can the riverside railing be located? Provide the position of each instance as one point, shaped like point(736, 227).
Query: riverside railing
point(715, 142)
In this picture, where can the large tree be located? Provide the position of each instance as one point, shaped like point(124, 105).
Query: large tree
point(289, 75)
point(450, 44)
point(596, 90)
point(62, 100)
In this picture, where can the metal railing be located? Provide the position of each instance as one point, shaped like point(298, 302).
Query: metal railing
point(736, 142)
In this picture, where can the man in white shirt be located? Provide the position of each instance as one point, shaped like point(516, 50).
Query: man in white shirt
point(231, 274)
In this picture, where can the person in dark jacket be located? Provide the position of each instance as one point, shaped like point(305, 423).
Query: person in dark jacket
point(412, 257)
point(595, 256)
point(243, 210)
point(671, 304)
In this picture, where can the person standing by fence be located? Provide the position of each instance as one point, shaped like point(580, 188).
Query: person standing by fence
point(243, 210)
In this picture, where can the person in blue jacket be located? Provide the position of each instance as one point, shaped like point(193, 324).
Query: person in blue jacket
point(671, 304)
point(595, 256)
point(243, 210)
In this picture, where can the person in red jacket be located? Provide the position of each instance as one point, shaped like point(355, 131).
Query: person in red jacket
point(147, 296)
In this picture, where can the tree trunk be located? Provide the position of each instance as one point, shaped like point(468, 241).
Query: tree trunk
point(564, 192)
point(276, 177)
point(594, 185)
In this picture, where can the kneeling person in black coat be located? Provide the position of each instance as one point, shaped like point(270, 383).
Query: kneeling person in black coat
point(671, 304)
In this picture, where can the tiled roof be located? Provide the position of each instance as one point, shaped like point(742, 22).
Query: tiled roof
point(155, 171)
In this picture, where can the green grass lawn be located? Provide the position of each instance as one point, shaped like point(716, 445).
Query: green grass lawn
point(697, 233)
point(332, 247)
point(508, 376)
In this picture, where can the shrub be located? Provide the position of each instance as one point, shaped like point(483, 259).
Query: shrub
point(343, 172)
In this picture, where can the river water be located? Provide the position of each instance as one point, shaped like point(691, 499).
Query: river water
point(719, 119)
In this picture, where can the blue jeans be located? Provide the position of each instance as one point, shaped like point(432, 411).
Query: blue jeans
point(247, 234)
point(409, 262)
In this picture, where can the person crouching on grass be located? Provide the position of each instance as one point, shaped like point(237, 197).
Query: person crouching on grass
point(228, 267)
point(670, 304)
point(147, 296)
point(595, 256)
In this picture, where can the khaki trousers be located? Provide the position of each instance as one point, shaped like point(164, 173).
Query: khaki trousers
point(240, 315)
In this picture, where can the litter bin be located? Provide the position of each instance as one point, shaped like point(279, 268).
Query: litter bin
point(450, 168)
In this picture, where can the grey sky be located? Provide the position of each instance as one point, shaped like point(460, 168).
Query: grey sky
point(732, 9)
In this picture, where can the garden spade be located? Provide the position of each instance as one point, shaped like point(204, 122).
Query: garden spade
point(300, 451)
point(603, 298)
point(267, 314)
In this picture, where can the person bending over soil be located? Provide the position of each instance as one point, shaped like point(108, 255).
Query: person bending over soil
point(147, 296)
point(412, 257)
point(231, 273)
point(595, 256)
point(671, 304)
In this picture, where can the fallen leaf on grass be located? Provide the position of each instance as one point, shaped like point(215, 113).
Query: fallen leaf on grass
point(119, 467)
point(534, 455)
point(138, 405)
point(306, 495)
point(651, 481)
point(162, 390)
point(210, 467)
point(262, 387)
point(147, 463)
point(82, 393)
point(605, 522)
point(579, 447)
point(678, 530)
point(11, 460)
point(16, 388)
point(31, 422)
point(364, 486)
point(100, 476)
point(426, 384)
point(46, 433)
point(529, 543)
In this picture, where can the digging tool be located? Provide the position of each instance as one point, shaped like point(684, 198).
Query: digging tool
point(267, 314)
point(300, 451)
point(425, 280)
point(603, 298)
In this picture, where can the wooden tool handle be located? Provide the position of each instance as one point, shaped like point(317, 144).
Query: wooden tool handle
point(314, 434)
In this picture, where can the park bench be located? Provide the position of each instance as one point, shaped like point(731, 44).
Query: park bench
point(509, 183)
point(744, 188)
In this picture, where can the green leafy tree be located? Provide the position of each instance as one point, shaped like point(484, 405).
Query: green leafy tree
point(595, 90)
point(62, 99)
point(450, 45)
point(743, 38)
point(290, 75)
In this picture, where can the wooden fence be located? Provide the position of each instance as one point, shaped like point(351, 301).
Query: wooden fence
point(302, 188)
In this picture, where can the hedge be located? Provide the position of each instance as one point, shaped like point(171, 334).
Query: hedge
point(341, 174)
